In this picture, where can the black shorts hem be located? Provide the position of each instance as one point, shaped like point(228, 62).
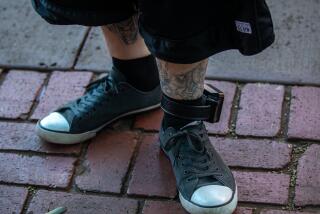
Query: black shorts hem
point(203, 45)
point(59, 15)
point(182, 51)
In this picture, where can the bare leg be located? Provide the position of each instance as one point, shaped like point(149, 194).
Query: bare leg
point(130, 54)
point(178, 81)
point(182, 81)
point(124, 41)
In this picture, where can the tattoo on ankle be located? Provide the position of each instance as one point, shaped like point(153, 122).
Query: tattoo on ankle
point(187, 85)
point(127, 30)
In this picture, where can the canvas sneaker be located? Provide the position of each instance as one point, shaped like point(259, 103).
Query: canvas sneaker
point(105, 101)
point(205, 183)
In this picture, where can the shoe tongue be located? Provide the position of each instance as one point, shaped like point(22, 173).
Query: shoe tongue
point(209, 180)
point(193, 143)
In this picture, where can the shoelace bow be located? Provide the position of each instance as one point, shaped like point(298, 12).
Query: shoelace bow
point(95, 95)
point(196, 161)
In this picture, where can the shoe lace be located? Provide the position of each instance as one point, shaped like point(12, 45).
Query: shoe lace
point(196, 159)
point(95, 96)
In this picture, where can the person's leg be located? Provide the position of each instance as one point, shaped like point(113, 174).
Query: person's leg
point(130, 54)
point(182, 83)
point(205, 183)
point(182, 42)
point(124, 91)
point(124, 41)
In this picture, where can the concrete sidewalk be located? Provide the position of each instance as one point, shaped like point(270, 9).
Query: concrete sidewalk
point(269, 134)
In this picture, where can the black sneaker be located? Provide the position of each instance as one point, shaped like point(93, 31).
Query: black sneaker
point(205, 183)
point(105, 101)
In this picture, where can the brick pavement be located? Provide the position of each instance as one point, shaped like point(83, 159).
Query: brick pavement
point(268, 135)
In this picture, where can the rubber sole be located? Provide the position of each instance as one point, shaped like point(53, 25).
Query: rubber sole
point(225, 209)
point(66, 138)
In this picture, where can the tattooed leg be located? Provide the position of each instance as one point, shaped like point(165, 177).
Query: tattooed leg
point(127, 30)
point(182, 81)
point(124, 41)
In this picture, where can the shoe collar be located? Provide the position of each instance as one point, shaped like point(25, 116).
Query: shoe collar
point(191, 125)
point(117, 76)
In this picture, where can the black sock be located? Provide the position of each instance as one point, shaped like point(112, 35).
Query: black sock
point(175, 122)
point(141, 73)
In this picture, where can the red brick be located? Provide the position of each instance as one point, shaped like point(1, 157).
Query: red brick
point(304, 122)
point(229, 90)
point(308, 177)
point(107, 162)
point(44, 201)
point(162, 207)
point(243, 210)
point(152, 174)
point(62, 87)
point(18, 91)
point(21, 136)
point(260, 110)
point(150, 120)
point(262, 187)
point(47, 171)
point(253, 153)
point(12, 199)
point(284, 212)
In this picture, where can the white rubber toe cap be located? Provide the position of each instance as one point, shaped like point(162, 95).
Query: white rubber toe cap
point(55, 122)
point(212, 195)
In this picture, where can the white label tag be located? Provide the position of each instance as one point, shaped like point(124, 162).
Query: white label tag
point(243, 27)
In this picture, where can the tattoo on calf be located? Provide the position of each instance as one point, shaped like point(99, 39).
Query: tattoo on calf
point(127, 30)
point(187, 85)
